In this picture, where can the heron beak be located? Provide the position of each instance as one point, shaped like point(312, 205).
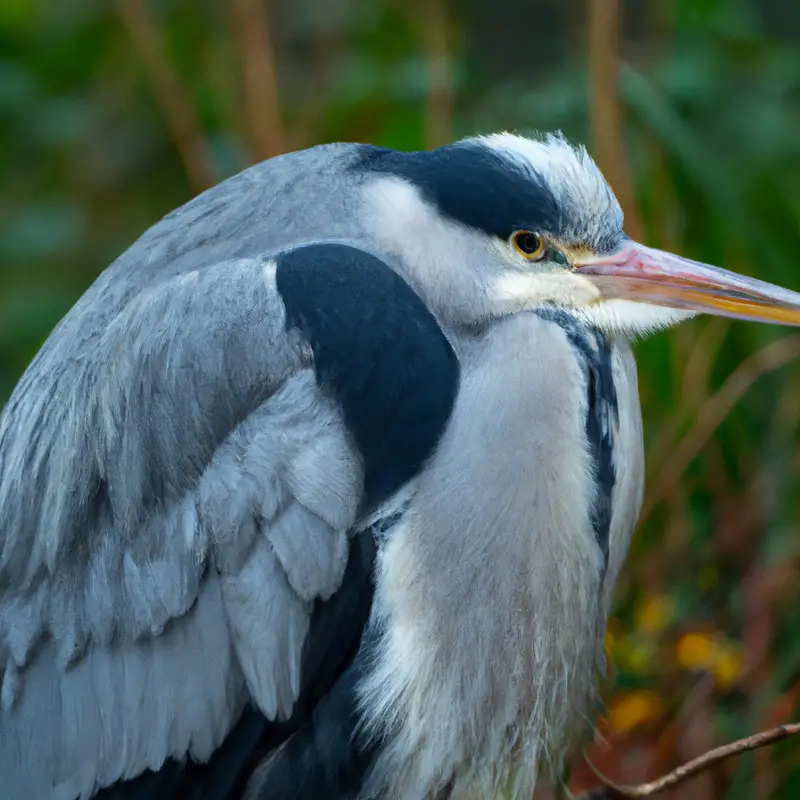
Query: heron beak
point(646, 275)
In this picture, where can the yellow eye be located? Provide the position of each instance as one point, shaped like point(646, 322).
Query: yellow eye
point(529, 245)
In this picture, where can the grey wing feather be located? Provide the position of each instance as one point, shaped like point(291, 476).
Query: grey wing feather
point(174, 494)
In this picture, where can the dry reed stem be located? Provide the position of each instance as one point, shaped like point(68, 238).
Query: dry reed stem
point(605, 112)
point(251, 28)
point(613, 791)
point(694, 387)
point(178, 109)
point(431, 20)
point(713, 413)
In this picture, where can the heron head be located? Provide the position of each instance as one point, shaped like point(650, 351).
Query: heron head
point(500, 224)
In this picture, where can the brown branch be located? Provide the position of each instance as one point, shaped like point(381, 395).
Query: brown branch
point(606, 116)
point(612, 791)
point(180, 114)
point(251, 28)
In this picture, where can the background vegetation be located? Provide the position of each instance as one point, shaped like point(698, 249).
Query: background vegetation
point(113, 113)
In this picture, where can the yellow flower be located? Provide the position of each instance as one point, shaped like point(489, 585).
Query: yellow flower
point(729, 666)
point(633, 709)
point(703, 651)
point(654, 614)
point(696, 651)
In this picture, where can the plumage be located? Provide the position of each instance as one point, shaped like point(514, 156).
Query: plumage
point(395, 387)
point(602, 416)
point(322, 488)
point(487, 681)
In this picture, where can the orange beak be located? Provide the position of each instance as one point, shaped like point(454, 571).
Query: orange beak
point(646, 275)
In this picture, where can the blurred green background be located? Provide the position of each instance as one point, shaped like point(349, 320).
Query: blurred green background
point(115, 112)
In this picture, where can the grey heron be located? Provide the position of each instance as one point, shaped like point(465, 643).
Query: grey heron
point(322, 488)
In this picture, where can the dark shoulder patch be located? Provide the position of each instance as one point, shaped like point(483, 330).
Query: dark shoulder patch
point(474, 185)
point(378, 350)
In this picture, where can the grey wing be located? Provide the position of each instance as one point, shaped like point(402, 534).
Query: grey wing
point(175, 496)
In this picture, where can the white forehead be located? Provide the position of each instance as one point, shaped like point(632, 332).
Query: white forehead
point(570, 172)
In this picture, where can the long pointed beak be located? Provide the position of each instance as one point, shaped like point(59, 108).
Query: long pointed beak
point(647, 275)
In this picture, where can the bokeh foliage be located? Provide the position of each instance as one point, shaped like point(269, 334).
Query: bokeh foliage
point(113, 113)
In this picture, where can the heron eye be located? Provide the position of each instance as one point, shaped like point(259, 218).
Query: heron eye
point(529, 245)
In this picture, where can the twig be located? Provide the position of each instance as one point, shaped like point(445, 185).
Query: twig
point(613, 791)
point(606, 117)
point(251, 27)
point(181, 116)
point(695, 387)
point(715, 410)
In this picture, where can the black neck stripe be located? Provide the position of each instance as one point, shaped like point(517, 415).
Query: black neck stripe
point(602, 415)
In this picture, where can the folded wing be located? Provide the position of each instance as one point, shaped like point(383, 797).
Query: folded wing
point(181, 468)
